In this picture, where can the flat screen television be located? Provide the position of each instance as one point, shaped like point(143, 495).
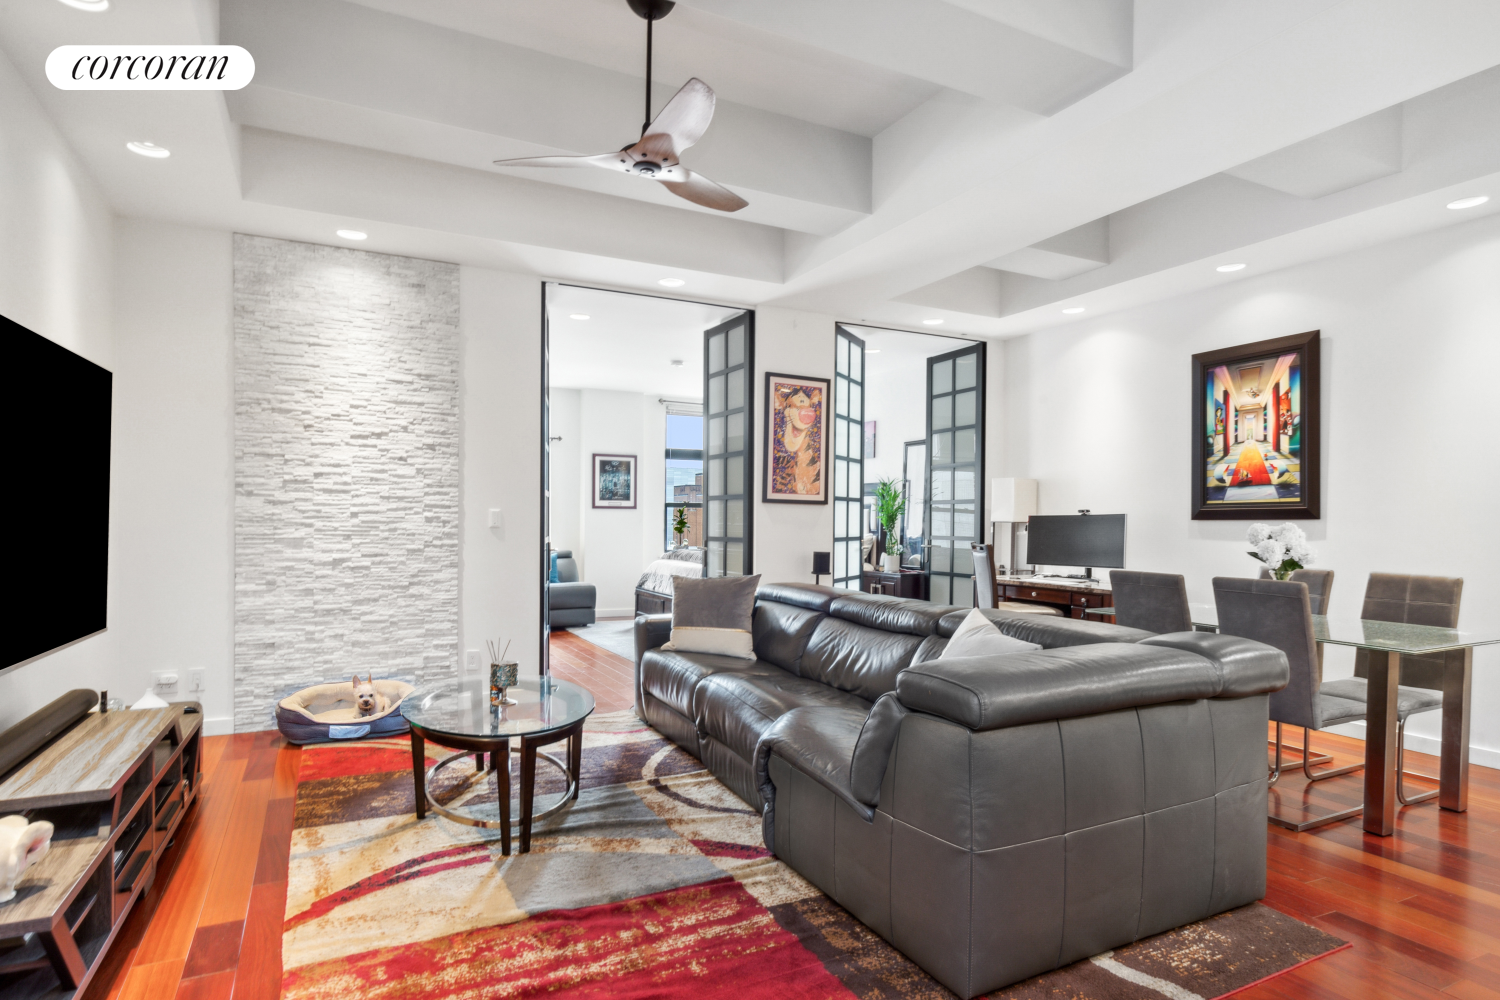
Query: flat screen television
point(56, 412)
point(1088, 540)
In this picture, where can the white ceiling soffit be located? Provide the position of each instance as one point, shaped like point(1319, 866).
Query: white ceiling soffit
point(1339, 159)
point(323, 70)
point(1065, 255)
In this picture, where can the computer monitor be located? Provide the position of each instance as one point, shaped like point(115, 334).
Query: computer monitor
point(1086, 540)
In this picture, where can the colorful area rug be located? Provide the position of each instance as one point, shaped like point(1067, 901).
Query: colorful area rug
point(655, 883)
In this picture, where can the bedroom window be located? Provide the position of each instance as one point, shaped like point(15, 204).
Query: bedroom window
point(684, 472)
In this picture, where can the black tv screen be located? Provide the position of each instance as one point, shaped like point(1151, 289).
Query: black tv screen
point(1076, 540)
point(56, 491)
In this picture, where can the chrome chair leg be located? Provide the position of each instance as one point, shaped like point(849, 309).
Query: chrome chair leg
point(1332, 772)
point(1401, 771)
point(1275, 774)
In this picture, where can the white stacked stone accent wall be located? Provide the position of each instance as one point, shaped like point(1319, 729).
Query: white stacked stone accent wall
point(346, 424)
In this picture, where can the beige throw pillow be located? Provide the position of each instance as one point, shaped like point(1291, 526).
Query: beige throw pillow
point(978, 636)
point(713, 616)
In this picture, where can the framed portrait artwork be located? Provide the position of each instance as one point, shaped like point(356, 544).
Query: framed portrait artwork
point(614, 481)
point(796, 440)
point(1255, 430)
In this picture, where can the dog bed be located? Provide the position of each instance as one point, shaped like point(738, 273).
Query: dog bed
point(327, 712)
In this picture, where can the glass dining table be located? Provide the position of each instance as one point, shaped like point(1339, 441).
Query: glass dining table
point(1395, 639)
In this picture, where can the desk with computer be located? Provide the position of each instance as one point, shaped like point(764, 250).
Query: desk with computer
point(1059, 542)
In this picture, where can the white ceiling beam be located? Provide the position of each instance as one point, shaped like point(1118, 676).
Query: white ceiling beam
point(1339, 159)
point(1065, 255)
point(992, 55)
point(530, 102)
point(297, 172)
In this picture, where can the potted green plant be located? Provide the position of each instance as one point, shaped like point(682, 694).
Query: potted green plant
point(890, 504)
point(680, 525)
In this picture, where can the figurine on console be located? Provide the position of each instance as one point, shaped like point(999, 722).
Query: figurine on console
point(22, 845)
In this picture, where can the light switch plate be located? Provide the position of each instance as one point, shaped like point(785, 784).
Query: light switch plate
point(164, 683)
point(496, 518)
point(196, 684)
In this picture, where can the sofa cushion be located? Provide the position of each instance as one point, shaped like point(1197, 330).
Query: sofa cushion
point(855, 658)
point(890, 614)
point(781, 632)
point(819, 742)
point(800, 595)
point(736, 708)
point(673, 677)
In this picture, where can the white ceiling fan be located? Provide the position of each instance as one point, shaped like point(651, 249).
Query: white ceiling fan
point(655, 156)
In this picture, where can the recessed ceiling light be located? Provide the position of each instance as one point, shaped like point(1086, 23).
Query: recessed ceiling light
point(578, 316)
point(92, 6)
point(678, 362)
point(932, 322)
point(1473, 202)
point(352, 234)
point(1074, 310)
point(872, 350)
point(150, 149)
point(1226, 268)
point(671, 282)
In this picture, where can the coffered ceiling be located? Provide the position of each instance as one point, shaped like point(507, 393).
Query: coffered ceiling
point(983, 162)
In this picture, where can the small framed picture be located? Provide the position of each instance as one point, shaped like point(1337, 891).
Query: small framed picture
point(614, 481)
point(796, 440)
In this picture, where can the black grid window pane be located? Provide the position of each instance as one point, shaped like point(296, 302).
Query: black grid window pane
point(955, 473)
point(728, 361)
point(849, 466)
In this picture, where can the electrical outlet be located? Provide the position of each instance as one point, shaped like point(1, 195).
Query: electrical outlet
point(471, 662)
point(196, 685)
point(164, 682)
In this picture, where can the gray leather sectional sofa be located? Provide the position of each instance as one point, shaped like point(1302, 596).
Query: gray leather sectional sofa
point(992, 817)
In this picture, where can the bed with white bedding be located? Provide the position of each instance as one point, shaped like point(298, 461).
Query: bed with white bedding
point(653, 593)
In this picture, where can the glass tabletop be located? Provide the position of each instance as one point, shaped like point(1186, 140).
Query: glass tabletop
point(1396, 637)
point(462, 708)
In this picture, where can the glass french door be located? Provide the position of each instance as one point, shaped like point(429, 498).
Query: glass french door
point(914, 474)
point(848, 458)
point(955, 477)
point(728, 402)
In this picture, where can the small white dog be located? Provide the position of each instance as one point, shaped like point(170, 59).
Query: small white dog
point(370, 701)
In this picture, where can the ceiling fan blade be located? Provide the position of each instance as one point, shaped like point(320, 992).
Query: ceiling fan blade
point(701, 191)
point(606, 160)
point(686, 116)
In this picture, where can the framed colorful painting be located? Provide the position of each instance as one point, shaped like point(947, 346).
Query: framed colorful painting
point(614, 481)
point(796, 440)
point(1255, 430)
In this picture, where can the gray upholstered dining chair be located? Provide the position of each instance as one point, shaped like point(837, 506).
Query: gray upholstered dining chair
point(1319, 586)
point(1279, 613)
point(985, 594)
point(1416, 600)
point(1156, 602)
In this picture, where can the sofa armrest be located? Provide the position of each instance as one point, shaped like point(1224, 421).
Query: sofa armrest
point(1245, 666)
point(650, 631)
point(996, 692)
point(817, 741)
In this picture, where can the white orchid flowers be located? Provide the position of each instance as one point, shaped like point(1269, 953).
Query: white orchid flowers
point(1283, 548)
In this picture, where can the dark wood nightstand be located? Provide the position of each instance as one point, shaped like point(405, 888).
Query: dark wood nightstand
point(910, 583)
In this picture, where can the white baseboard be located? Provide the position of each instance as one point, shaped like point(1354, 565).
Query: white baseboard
point(221, 726)
point(614, 612)
point(1482, 756)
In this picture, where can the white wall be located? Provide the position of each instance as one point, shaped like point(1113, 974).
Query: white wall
point(1100, 413)
point(55, 269)
point(786, 535)
point(172, 566)
point(612, 551)
point(895, 398)
point(500, 428)
point(568, 468)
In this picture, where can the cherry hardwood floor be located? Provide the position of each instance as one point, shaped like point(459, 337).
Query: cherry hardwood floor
point(1422, 908)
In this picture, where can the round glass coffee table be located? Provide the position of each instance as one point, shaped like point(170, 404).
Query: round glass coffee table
point(458, 714)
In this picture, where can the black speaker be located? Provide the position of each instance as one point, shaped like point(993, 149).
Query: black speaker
point(822, 563)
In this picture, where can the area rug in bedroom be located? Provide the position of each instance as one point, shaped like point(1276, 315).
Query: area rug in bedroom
point(654, 884)
point(616, 636)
